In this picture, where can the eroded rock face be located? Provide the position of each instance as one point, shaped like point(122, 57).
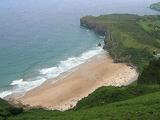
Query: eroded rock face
point(90, 22)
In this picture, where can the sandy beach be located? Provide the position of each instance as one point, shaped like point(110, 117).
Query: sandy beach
point(65, 91)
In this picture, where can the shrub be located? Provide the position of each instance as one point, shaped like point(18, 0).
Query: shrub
point(15, 110)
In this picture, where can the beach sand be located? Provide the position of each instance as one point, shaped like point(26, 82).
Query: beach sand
point(63, 92)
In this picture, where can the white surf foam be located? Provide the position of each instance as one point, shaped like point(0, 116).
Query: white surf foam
point(72, 62)
point(22, 86)
point(17, 82)
point(5, 93)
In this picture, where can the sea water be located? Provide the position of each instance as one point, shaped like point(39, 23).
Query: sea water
point(41, 39)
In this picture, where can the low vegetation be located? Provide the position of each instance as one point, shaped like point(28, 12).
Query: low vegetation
point(151, 74)
point(151, 24)
point(106, 103)
point(129, 38)
point(107, 95)
point(7, 110)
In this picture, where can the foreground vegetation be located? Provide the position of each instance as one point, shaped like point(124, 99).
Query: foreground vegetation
point(131, 39)
point(155, 6)
point(132, 102)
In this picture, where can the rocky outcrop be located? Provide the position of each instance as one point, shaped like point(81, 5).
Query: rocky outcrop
point(110, 44)
point(90, 23)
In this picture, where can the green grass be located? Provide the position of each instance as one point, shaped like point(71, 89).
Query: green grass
point(107, 95)
point(128, 37)
point(155, 6)
point(151, 25)
point(151, 74)
point(7, 110)
point(107, 103)
point(3, 106)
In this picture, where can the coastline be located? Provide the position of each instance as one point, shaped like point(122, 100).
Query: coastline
point(63, 93)
point(21, 86)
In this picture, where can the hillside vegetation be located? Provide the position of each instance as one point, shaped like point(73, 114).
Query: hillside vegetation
point(106, 103)
point(151, 74)
point(151, 24)
point(131, 39)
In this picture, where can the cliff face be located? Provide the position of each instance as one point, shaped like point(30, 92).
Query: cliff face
point(90, 22)
point(102, 28)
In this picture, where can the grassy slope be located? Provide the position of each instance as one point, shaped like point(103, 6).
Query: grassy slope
point(151, 74)
point(146, 106)
point(155, 6)
point(7, 110)
point(151, 25)
point(130, 41)
point(107, 95)
point(3, 108)
point(127, 41)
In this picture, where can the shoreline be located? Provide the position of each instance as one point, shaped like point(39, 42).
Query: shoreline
point(63, 92)
point(20, 86)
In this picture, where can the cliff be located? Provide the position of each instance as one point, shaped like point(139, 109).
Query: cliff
point(125, 39)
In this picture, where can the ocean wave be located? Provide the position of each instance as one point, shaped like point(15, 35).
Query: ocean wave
point(22, 86)
point(72, 62)
point(17, 82)
point(5, 93)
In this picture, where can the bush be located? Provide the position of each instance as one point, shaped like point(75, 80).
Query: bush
point(15, 110)
point(151, 74)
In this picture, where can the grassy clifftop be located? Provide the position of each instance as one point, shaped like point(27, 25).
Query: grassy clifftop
point(127, 36)
point(155, 6)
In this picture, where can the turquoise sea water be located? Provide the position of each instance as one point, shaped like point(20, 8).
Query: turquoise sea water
point(39, 39)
